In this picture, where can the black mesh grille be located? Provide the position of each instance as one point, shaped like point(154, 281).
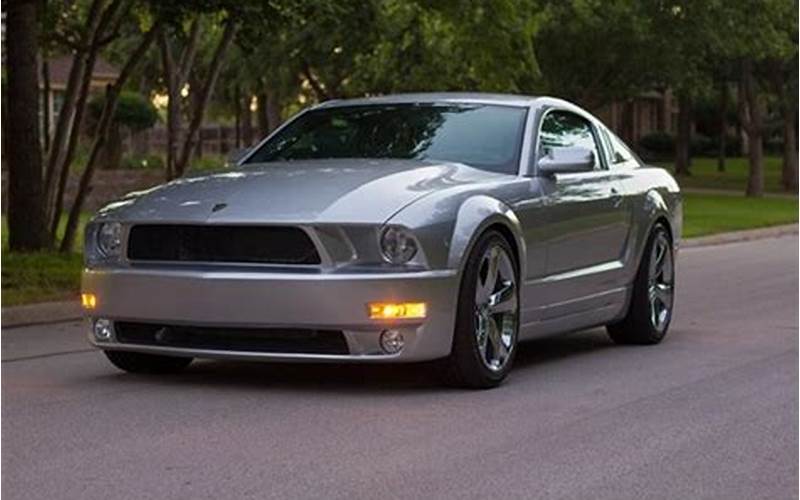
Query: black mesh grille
point(271, 340)
point(211, 243)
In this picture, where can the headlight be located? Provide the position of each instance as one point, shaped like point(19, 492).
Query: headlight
point(398, 245)
point(109, 239)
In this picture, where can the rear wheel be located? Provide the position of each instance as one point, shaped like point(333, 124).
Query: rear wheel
point(650, 311)
point(487, 320)
point(136, 362)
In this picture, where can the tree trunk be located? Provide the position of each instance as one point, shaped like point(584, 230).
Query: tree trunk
point(723, 126)
point(247, 121)
point(208, 88)
point(57, 204)
point(237, 99)
point(176, 74)
point(95, 43)
point(684, 136)
point(65, 121)
point(101, 135)
point(273, 110)
point(751, 116)
point(780, 81)
point(46, 103)
point(789, 171)
point(173, 103)
point(262, 119)
point(27, 226)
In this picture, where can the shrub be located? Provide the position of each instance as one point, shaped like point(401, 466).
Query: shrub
point(662, 145)
point(134, 111)
point(658, 144)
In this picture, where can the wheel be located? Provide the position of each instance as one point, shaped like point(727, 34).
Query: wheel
point(136, 362)
point(650, 310)
point(487, 317)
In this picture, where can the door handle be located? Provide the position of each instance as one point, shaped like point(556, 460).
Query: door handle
point(616, 197)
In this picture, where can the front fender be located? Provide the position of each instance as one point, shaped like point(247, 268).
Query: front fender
point(475, 216)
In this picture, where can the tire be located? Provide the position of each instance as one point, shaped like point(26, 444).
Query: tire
point(136, 362)
point(650, 311)
point(486, 333)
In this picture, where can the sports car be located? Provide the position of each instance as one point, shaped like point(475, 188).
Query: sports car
point(422, 227)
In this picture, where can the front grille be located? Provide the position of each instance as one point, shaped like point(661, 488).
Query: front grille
point(211, 243)
point(270, 340)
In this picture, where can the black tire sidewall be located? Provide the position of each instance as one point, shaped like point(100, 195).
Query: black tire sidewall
point(465, 346)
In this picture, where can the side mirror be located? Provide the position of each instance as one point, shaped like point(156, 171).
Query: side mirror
point(566, 160)
point(236, 155)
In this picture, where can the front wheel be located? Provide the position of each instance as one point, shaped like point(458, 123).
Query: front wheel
point(650, 310)
point(137, 362)
point(487, 319)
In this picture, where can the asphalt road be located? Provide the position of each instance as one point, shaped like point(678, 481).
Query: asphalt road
point(710, 413)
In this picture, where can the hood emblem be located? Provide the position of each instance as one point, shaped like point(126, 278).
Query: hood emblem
point(218, 207)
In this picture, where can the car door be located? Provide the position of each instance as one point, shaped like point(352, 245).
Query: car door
point(587, 220)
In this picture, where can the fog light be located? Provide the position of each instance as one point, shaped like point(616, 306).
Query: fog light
point(88, 300)
point(392, 341)
point(404, 310)
point(102, 330)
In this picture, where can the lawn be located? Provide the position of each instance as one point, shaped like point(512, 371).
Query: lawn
point(705, 175)
point(47, 276)
point(705, 214)
point(41, 276)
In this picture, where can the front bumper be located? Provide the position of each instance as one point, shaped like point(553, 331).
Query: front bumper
point(254, 298)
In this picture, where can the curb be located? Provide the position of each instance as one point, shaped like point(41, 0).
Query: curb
point(739, 236)
point(56, 312)
point(45, 312)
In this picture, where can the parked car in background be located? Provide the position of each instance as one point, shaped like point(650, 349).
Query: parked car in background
point(392, 229)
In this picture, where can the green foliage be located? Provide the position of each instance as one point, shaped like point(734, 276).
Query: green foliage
point(133, 111)
point(597, 51)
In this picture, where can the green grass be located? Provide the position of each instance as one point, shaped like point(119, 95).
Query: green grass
point(41, 276)
point(705, 214)
point(705, 175)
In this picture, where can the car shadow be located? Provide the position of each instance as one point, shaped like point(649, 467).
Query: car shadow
point(366, 378)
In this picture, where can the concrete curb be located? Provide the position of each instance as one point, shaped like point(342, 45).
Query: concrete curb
point(54, 312)
point(738, 236)
point(45, 312)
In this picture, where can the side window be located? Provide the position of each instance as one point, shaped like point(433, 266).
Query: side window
point(620, 152)
point(562, 129)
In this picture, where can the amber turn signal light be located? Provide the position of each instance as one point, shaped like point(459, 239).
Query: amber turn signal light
point(88, 300)
point(402, 310)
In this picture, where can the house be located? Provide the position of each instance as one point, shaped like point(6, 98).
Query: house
point(632, 119)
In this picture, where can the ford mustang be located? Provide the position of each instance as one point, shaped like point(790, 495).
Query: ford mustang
point(404, 228)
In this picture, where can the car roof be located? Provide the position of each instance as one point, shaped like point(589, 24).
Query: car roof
point(432, 97)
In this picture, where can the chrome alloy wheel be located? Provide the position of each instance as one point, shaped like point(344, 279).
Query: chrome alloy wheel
point(660, 283)
point(496, 305)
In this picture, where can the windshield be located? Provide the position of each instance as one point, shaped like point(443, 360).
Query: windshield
point(482, 136)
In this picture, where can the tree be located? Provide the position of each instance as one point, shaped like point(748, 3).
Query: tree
point(84, 28)
point(26, 217)
point(101, 134)
point(760, 36)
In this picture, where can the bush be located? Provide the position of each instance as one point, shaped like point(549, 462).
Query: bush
point(658, 144)
point(662, 145)
point(134, 111)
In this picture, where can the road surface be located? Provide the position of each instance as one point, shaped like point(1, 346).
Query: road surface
point(710, 413)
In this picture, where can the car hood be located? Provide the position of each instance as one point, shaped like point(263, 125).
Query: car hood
point(329, 191)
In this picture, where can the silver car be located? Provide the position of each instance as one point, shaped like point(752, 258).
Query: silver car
point(403, 228)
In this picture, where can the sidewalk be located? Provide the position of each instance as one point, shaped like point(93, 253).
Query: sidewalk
point(53, 312)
